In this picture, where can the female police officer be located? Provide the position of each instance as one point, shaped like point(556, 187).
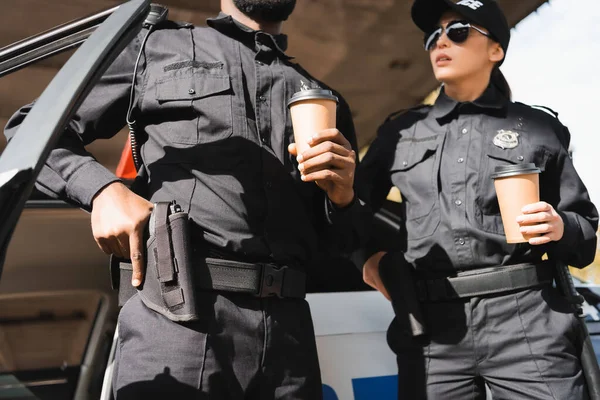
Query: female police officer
point(518, 337)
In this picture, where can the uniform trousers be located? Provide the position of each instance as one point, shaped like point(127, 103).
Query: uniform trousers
point(523, 345)
point(241, 348)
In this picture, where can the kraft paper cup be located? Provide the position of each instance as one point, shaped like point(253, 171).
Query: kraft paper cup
point(312, 110)
point(516, 186)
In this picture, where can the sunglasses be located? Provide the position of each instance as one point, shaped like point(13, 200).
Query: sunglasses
point(457, 31)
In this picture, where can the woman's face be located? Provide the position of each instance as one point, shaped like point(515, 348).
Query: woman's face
point(459, 62)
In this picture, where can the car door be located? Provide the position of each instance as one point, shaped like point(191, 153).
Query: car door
point(53, 342)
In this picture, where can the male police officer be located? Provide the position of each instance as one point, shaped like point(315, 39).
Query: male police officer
point(210, 109)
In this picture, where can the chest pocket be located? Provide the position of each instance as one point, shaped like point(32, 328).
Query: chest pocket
point(488, 209)
point(415, 173)
point(194, 103)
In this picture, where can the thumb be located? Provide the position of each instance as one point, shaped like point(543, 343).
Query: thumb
point(292, 149)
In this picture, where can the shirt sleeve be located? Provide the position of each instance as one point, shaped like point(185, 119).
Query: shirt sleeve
point(70, 172)
point(347, 227)
point(578, 244)
point(373, 185)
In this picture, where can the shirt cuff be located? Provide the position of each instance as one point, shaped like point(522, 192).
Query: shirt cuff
point(87, 181)
point(336, 215)
point(572, 230)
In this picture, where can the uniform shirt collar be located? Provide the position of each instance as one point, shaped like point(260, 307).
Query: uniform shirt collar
point(491, 99)
point(227, 25)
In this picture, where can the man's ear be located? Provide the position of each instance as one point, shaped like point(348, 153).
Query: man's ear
point(496, 52)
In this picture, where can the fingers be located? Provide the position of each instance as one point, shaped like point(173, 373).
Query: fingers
point(123, 244)
point(542, 234)
point(137, 257)
point(333, 176)
point(368, 279)
point(371, 274)
point(372, 279)
point(325, 161)
point(117, 245)
point(533, 219)
point(325, 147)
point(541, 206)
point(540, 223)
point(540, 229)
point(536, 241)
point(329, 135)
point(104, 245)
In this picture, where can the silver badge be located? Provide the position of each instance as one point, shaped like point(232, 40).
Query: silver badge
point(303, 86)
point(506, 139)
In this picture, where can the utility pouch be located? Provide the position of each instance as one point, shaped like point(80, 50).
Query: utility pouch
point(397, 276)
point(168, 286)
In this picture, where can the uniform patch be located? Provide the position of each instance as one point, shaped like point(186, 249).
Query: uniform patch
point(472, 4)
point(506, 139)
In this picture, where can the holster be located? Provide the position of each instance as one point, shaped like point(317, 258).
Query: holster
point(397, 276)
point(168, 285)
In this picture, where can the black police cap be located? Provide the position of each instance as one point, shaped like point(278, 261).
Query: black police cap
point(426, 15)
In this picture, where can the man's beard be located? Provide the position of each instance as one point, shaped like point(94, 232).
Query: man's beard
point(266, 10)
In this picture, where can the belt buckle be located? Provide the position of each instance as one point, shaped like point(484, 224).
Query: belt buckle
point(271, 282)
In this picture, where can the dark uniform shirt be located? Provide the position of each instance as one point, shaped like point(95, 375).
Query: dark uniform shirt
point(441, 158)
point(211, 109)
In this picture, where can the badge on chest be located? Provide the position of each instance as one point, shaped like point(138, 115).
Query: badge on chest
point(506, 139)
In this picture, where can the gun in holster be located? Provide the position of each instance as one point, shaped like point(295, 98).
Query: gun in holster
point(168, 285)
point(397, 276)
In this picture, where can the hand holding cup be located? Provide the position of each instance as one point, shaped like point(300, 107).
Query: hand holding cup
point(330, 162)
point(540, 223)
point(516, 187)
point(324, 155)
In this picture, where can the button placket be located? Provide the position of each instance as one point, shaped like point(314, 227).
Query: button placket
point(263, 87)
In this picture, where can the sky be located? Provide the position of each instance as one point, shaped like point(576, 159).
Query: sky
point(554, 60)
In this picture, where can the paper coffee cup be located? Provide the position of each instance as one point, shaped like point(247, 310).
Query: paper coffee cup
point(516, 186)
point(312, 111)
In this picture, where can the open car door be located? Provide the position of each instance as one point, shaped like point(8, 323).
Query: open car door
point(61, 356)
point(26, 153)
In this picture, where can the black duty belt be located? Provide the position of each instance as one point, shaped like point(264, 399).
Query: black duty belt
point(256, 279)
point(486, 281)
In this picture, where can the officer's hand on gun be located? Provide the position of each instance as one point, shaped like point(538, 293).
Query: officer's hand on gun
point(541, 224)
point(330, 162)
point(119, 218)
point(371, 274)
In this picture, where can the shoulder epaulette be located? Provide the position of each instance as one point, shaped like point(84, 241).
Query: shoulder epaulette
point(547, 110)
point(400, 113)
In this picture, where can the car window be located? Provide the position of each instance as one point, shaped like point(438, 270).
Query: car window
point(43, 340)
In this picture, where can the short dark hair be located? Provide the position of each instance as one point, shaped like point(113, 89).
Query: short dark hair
point(266, 10)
